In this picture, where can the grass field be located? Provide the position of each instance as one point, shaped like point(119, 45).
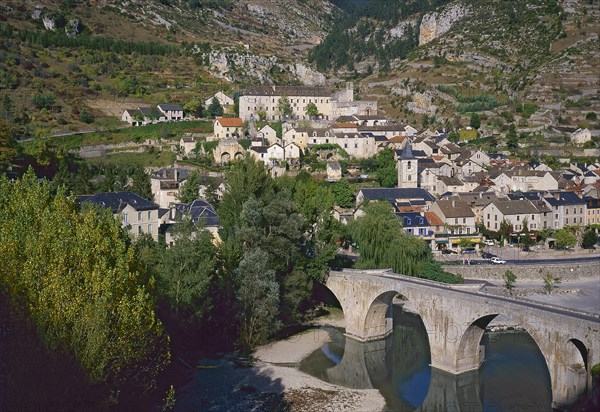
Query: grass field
point(136, 159)
point(171, 130)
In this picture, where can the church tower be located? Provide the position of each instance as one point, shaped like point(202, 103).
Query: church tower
point(407, 168)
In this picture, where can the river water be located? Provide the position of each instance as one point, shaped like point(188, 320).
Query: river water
point(513, 377)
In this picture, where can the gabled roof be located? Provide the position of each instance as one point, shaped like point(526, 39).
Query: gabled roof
point(230, 121)
point(412, 219)
point(515, 207)
point(433, 219)
point(454, 208)
point(259, 149)
point(170, 107)
point(287, 91)
point(450, 181)
point(117, 201)
point(564, 198)
point(146, 111)
point(392, 194)
point(198, 210)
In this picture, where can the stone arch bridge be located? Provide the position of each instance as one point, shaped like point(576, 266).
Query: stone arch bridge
point(456, 316)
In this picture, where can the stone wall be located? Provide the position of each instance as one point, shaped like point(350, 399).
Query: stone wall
point(527, 272)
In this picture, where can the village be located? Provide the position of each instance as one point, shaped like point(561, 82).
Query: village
point(451, 196)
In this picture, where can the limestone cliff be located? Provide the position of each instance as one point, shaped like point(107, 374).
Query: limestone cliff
point(437, 23)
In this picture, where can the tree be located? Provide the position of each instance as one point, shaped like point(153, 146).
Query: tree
point(8, 144)
point(383, 244)
point(185, 272)
point(245, 179)
point(141, 184)
point(79, 282)
point(509, 280)
point(590, 238)
point(343, 194)
point(512, 140)
point(43, 101)
point(188, 192)
point(8, 107)
point(475, 122)
point(311, 110)
point(387, 175)
point(214, 108)
point(85, 116)
point(284, 107)
point(550, 282)
point(257, 299)
point(564, 239)
point(194, 107)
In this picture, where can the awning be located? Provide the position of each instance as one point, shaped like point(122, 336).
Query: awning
point(441, 241)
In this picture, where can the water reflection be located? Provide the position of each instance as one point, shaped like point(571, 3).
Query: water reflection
point(514, 376)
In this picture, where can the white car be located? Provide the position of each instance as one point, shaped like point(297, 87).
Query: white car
point(488, 242)
point(497, 261)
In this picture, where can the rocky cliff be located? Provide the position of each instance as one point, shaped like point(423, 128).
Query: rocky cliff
point(437, 23)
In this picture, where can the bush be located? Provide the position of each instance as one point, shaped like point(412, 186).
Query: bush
point(43, 101)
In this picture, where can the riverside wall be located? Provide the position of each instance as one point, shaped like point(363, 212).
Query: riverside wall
point(566, 271)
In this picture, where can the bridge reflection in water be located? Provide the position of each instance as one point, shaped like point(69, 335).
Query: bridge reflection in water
point(514, 375)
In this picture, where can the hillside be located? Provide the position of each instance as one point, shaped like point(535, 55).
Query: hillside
point(123, 54)
point(427, 62)
point(437, 61)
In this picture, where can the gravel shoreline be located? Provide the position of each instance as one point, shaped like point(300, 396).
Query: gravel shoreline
point(272, 381)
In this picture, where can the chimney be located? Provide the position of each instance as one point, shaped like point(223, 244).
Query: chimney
point(557, 195)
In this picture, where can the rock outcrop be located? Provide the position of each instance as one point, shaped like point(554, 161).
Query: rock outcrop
point(435, 24)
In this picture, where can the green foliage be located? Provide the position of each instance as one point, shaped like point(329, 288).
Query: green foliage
point(43, 100)
point(311, 110)
point(512, 140)
point(471, 103)
point(591, 116)
point(386, 172)
point(284, 107)
point(214, 109)
point(48, 38)
point(343, 194)
point(509, 280)
point(550, 282)
point(383, 244)
point(475, 121)
point(590, 238)
point(8, 144)
point(80, 283)
point(257, 298)
point(564, 239)
point(190, 189)
point(194, 107)
point(465, 134)
point(85, 116)
point(184, 274)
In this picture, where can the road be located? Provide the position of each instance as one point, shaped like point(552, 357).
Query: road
point(555, 261)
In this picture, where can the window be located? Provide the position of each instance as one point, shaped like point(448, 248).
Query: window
point(464, 220)
point(409, 178)
point(518, 218)
point(139, 230)
point(140, 216)
point(495, 225)
point(566, 221)
point(488, 216)
point(456, 221)
point(468, 231)
point(532, 217)
point(580, 210)
point(496, 218)
point(566, 210)
point(409, 165)
point(149, 228)
point(149, 214)
point(125, 218)
point(556, 216)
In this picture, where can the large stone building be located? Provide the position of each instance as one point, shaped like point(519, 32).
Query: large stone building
point(330, 106)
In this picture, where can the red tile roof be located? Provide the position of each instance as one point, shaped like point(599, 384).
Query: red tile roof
point(433, 219)
point(230, 121)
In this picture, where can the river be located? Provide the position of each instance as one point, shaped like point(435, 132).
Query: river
point(513, 377)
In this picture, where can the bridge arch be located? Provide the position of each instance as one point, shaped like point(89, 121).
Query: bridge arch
point(470, 353)
point(583, 353)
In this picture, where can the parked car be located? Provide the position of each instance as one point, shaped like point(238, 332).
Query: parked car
point(468, 251)
point(489, 242)
point(497, 261)
point(487, 255)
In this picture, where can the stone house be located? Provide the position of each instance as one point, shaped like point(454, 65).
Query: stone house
point(138, 215)
point(292, 151)
point(269, 134)
point(457, 216)
point(222, 98)
point(166, 184)
point(581, 136)
point(593, 211)
point(525, 181)
point(228, 127)
point(228, 150)
point(514, 212)
point(567, 209)
point(187, 145)
point(171, 112)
